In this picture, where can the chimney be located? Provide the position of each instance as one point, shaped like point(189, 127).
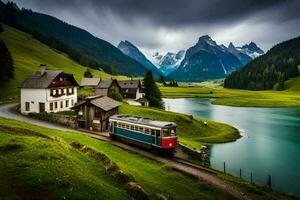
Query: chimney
point(43, 69)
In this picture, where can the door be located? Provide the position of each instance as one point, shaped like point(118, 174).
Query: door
point(41, 107)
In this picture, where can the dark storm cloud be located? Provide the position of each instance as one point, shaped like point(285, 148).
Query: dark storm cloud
point(174, 12)
point(173, 25)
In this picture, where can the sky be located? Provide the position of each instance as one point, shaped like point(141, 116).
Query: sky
point(170, 26)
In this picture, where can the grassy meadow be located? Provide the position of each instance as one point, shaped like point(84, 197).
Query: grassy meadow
point(245, 98)
point(28, 54)
point(39, 161)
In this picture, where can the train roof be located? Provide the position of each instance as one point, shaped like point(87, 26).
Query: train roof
point(143, 121)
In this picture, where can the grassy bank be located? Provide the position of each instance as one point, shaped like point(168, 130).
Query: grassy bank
point(39, 163)
point(43, 163)
point(28, 54)
point(191, 130)
point(245, 98)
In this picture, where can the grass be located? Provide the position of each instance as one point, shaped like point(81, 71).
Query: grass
point(28, 54)
point(192, 131)
point(245, 98)
point(39, 162)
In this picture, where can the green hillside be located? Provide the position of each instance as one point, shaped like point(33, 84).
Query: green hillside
point(29, 53)
point(40, 162)
point(293, 84)
point(70, 39)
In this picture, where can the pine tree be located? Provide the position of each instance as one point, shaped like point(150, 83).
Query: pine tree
point(88, 74)
point(152, 92)
point(6, 63)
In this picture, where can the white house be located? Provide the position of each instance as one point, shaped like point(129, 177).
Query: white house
point(48, 91)
point(131, 89)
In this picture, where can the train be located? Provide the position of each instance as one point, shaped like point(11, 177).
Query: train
point(159, 136)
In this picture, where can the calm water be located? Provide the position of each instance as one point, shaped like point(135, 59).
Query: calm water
point(270, 144)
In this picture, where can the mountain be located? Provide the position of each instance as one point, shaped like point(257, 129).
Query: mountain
point(133, 52)
point(169, 62)
point(279, 64)
point(208, 60)
point(53, 31)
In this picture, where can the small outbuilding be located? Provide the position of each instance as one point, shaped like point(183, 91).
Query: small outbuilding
point(106, 87)
point(131, 89)
point(94, 112)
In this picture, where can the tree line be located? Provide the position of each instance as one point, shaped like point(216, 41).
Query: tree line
point(272, 69)
point(6, 62)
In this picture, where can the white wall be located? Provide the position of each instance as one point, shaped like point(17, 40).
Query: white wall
point(138, 94)
point(36, 96)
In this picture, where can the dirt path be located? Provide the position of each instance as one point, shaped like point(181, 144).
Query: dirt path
point(8, 111)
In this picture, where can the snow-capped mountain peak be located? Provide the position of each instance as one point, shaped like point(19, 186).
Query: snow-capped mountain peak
point(168, 62)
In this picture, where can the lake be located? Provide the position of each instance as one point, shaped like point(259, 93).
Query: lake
point(270, 144)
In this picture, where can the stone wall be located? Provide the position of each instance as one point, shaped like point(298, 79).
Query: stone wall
point(201, 155)
point(65, 120)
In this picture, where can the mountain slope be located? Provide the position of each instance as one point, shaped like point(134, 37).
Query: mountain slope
point(169, 62)
point(206, 60)
point(276, 66)
point(29, 53)
point(133, 52)
point(79, 39)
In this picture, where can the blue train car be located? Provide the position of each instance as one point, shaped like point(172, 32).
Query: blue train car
point(144, 132)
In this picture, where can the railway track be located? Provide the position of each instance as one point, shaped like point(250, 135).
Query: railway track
point(181, 165)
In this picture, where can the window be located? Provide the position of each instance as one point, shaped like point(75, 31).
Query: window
point(61, 104)
point(72, 102)
point(115, 123)
point(27, 106)
point(67, 103)
point(65, 91)
point(51, 106)
point(147, 130)
point(61, 79)
point(59, 91)
point(157, 133)
point(136, 128)
point(165, 132)
point(152, 132)
point(141, 129)
point(55, 105)
point(127, 126)
point(131, 127)
point(97, 113)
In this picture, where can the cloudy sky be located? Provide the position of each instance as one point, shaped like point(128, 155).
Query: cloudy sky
point(161, 25)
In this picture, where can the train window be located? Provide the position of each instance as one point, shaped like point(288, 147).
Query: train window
point(165, 132)
point(127, 126)
point(115, 123)
point(136, 128)
point(123, 125)
point(147, 130)
point(131, 127)
point(152, 132)
point(157, 133)
point(141, 129)
point(172, 132)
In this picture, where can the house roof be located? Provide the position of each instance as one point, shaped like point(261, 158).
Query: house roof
point(89, 81)
point(103, 102)
point(129, 84)
point(38, 80)
point(104, 84)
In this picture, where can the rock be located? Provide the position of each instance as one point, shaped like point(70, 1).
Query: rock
point(161, 197)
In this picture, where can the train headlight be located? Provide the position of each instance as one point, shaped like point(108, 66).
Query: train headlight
point(170, 144)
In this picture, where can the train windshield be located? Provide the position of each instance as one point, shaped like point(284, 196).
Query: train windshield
point(169, 132)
